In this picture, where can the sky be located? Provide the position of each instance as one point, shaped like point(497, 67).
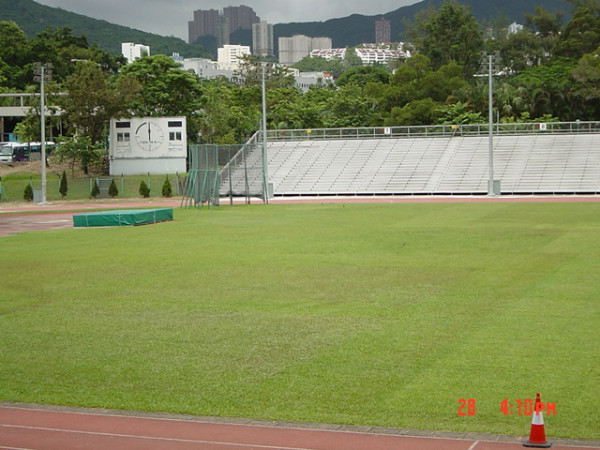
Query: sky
point(171, 17)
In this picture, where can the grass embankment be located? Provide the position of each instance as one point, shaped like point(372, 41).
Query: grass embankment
point(19, 175)
point(358, 314)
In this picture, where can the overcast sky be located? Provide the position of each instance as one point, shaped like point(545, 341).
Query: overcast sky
point(171, 17)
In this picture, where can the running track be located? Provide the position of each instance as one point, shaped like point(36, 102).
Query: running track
point(29, 427)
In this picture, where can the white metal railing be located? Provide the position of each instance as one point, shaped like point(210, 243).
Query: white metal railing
point(435, 131)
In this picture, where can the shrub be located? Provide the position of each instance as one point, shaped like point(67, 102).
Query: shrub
point(63, 187)
point(112, 189)
point(28, 193)
point(167, 190)
point(95, 190)
point(144, 191)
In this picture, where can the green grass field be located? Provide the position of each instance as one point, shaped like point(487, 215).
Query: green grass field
point(383, 315)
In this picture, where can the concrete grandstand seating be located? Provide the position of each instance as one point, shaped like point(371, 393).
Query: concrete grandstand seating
point(540, 163)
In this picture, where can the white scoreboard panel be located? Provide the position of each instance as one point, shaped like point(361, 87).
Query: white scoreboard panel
point(139, 145)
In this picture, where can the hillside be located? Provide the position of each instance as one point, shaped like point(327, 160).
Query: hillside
point(33, 18)
point(344, 32)
point(356, 29)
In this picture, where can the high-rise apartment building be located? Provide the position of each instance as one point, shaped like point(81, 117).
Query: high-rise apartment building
point(204, 24)
point(240, 17)
point(262, 39)
point(293, 49)
point(383, 33)
point(221, 24)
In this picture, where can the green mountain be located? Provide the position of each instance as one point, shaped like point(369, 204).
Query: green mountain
point(33, 18)
point(344, 32)
point(357, 29)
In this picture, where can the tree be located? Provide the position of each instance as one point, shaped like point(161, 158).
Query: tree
point(450, 34)
point(28, 193)
point(167, 189)
point(350, 107)
point(93, 99)
point(363, 75)
point(419, 112)
point(63, 187)
point(80, 149)
point(166, 89)
point(581, 35)
point(335, 66)
point(251, 72)
point(587, 77)
point(144, 190)
point(15, 52)
point(113, 191)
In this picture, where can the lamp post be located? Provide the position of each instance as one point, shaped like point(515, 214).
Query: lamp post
point(264, 138)
point(492, 65)
point(43, 73)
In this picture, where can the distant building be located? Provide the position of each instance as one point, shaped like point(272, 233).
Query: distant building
point(328, 53)
point(379, 54)
point(204, 24)
point(383, 33)
point(295, 48)
point(306, 80)
point(133, 51)
point(229, 56)
point(514, 28)
point(221, 24)
point(207, 69)
point(240, 17)
point(262, 39)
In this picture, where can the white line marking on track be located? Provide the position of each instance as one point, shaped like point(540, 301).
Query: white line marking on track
point(149, 438)
point(473, 445)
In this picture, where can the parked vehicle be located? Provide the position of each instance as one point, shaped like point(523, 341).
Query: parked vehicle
point(6, 151)
point(29, 151)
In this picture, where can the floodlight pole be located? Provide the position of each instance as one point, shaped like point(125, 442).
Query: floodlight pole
point(41, 70)
point(491, 127)
point(264, 137)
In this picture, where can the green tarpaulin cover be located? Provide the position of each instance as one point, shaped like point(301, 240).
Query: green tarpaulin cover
point(124, 217)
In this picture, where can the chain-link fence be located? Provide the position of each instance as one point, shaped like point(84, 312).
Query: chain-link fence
point(224, 171)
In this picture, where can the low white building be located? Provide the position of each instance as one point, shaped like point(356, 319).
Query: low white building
point(229, 56)
point(306, 80)
point(133, 51)
point(206, 68)
point(328, 53)
point(379, 55)
point(141, 145)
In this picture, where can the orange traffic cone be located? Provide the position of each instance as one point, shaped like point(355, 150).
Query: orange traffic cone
point(537, 435)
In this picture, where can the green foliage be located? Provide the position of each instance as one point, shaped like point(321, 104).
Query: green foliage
point(459, 114)
point(80, 149)
point(450, 34)
point(113, 191)
point(144, 190)
point(166, 89)
point(94, 99)
point(63, 186)
point(335, 67)
point(417, 112)
point(28, 193)
point(363, 75)
point(167, 189)
point(95, 190)
point(581, 34)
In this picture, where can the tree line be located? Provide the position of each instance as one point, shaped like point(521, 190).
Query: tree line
point(548, 70)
